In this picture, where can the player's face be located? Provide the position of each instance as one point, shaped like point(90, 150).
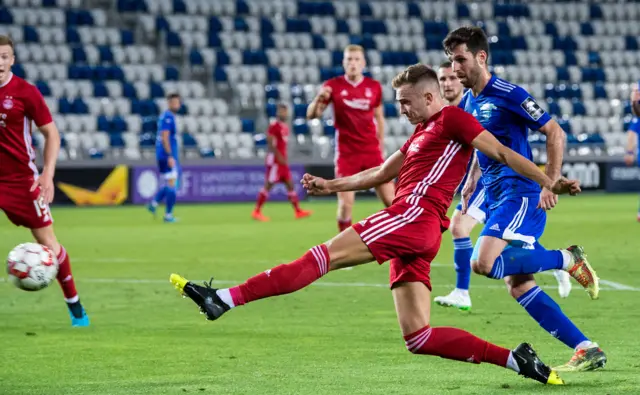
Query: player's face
point(414, 103)
point(466, 66)
point(283, 113)
point(353, 63)
point(450, 85)
point(6, 61)
point(174, 104)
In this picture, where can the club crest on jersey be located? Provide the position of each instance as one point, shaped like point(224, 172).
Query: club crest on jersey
point(7, 103)
point(486, 110)
point(344, 92)
point(532, 108)
point(368, 92)
point(415, 145)
point(429, 127)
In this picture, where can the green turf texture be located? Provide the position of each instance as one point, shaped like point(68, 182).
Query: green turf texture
point(332, 339)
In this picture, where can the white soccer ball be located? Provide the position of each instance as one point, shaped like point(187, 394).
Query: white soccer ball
point(32, 266)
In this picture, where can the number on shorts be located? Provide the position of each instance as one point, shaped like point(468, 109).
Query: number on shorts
point(42, 209)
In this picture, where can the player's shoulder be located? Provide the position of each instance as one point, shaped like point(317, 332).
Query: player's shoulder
point(506, 90)
point(370, 81)
point(337, 80)
point(20, 84)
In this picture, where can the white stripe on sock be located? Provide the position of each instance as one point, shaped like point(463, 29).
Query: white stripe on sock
point(225, 295)
point(75, 299)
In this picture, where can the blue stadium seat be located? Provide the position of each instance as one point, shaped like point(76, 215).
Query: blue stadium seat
point(100, 89)
point(248, 125)
point(116, 140)
point(31, 35)
point(5, 17)
point(390, 110)
point(195, 57)
point(300, 126)
point(300, 110)
point(173, 39)
point(147, 140)
point(171, 73)
point(18, 70)
point(72, 36)
point(329, 129)
point(188, 141)
point(272, 92)
point(156, 90)
point(43, 87)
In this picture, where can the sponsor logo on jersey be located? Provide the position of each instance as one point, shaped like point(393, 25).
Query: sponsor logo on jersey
point(358, 104)
point(532, 108)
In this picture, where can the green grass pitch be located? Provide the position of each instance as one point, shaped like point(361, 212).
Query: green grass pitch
point(337, 337)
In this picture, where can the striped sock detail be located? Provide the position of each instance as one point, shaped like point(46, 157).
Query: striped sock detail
point(416, 340)
point(497, 271)
point(321, 254)
point(529, 296)
point(463, 243)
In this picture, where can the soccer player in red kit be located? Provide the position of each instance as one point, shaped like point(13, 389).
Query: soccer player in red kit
point(24, 193)
point(359, 123)
point(277, 165)
point(429, 167)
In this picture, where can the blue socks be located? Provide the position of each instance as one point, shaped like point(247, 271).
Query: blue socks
point(548, 314)
point(462, 250)
point(520, 261)
point(171, 201)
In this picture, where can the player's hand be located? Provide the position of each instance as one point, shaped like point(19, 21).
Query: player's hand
point(548, 199)
point(629, 160)
point(45, 181)
point(467, 191)
point(325, 93)
point(171, 162)
point(315, 185)
point(564, 186)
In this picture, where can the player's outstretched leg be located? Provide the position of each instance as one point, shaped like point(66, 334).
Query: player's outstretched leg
point(157, 199)
point(515, 261)
point(461, 227)
point(47, 237)
point(295, 202)
point(344, 250)
point(412, 301)
point(345, 207)
point(540, 306)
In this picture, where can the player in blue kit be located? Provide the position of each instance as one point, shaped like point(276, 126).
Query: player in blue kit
point(633, 150)
point(508, 246)
point(167, 157)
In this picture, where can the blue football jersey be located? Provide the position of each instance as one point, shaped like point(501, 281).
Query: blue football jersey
point(508, 112)
point(167, 121)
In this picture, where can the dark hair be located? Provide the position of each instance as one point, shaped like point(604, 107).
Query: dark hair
point(173, 95)
point(282, 104)
point(6, 40)
point(473, 36)
point(445, 65)
point(414, 74)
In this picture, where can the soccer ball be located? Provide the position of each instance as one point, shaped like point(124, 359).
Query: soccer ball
point(32, 266)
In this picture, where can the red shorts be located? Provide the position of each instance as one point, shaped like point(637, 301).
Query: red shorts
point(349, 165)
point(408, 235)
point(277, 173)
point(22, 206)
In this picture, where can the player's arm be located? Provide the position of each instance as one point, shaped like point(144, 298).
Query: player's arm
point(635, 100)
point(556, 138)
point(166, 145)
point(272, 147)
point(378, 114)
point(51, 148)
point(319, 103)
point(632, 144)
point(486, 143)
point(364, 180)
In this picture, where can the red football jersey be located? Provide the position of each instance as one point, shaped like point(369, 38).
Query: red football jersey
point(436, 159)
point(353, 105)
point(280, 132)
point(20, 104)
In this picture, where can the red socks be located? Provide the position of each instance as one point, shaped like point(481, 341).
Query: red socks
point(284, 279)
point(344, 224)
point(263, 195)
point(456, 344)
point(65, 278)
point(293, 198)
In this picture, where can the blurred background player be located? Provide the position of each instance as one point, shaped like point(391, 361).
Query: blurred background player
point(277, 165)
point(359, 123)
point(167, 157)
point(633, 150)
point(508, 247)
point(461, 224)
point(24, 193)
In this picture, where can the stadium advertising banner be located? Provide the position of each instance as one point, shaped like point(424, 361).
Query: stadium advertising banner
point(622, 178)
point(327, 172)
point(213, 184)
point(103, 186)
point(592, 175)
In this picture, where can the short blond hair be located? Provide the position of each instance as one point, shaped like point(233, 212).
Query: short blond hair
point(6, 40)
point(414, 74)
point(354, 48)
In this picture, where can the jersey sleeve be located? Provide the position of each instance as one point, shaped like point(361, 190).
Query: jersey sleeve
point(378, 100)
point(168, 123)
point(461, 126)
point(526, 108)
point(274, 130)
point(331, 84)
point(36, 108)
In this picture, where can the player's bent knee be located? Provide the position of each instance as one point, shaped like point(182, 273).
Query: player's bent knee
point(481, 266)
point(519, 285)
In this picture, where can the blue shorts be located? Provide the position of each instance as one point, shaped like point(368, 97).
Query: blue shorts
point(517, 221)
point(167, 172)
point(477, 206)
